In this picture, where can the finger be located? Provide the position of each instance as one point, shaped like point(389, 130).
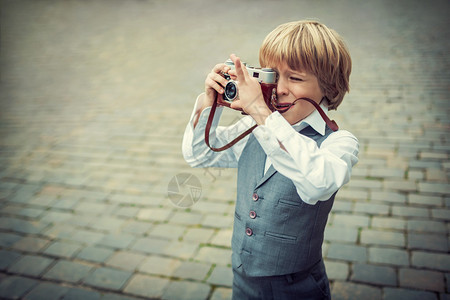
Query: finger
point(219, 68)
point(212, 84)
point(236, 104)
point(238, 67)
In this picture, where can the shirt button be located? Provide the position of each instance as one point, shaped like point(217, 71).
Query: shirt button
point(255, 197)
point(252, 214)
point(248, 231)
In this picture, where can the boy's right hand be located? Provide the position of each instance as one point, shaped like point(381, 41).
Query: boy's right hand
point(214, 84)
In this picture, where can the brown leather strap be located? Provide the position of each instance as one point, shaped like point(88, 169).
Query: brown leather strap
point(332, 124)
point(208, 128)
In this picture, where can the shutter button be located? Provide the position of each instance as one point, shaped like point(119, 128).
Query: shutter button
point(255, 197)
point(252, 214)
point(248, 231)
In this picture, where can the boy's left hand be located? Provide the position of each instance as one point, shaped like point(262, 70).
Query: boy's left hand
point(250, 99)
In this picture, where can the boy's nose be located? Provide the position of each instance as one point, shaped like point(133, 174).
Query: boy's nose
point(282, 88)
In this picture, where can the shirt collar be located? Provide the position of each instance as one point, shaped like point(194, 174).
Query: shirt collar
point(314, 120)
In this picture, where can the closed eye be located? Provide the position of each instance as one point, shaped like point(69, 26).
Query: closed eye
point(296, 78)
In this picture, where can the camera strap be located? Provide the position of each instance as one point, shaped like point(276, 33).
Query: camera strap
point(208, 128)
point(330, 123)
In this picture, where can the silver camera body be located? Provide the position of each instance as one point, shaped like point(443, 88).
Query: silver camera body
point(263, 75)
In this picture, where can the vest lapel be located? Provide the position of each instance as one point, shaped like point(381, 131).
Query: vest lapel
point(266, 176)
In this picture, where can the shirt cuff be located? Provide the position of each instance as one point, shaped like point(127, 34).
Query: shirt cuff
point(276, 130)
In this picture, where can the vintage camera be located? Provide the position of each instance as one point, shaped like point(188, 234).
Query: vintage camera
point(267, 79)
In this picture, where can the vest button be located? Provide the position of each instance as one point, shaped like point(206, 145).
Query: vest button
point(252, 214)
point(255, 197)
point(248, 231)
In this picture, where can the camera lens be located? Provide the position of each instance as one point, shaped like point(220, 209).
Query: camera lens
point(230, 91)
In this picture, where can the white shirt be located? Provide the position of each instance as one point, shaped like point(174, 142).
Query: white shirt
point(317, 173)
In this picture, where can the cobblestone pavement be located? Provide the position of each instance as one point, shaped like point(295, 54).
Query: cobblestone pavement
point(94, 99)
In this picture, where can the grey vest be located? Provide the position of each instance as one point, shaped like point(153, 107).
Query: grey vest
point(275, 232)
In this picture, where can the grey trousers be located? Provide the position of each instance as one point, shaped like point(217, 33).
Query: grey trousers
point(312, 284)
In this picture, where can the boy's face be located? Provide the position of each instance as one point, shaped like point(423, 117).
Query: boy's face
point(293, 85)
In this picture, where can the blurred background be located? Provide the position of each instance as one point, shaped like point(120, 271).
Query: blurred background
point(94, 99)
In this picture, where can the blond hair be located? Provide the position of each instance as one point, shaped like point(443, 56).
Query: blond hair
point(312, 47)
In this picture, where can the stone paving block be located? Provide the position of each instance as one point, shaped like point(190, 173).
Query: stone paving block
point(14, 287)
point(183, 250)
point(336, 270)
point(78, 293)
point(340, 205)
point(108, 278)
point(388, 223)
point(222, 238)
point(136, 227)
point(185, 290)
point(117, 296)
point(186, 218)
point(61, 231)
point(57, 216)
point(349, 290)
point(217, 221)
point(30, 265)
point(221, 294)
point(7, 239)
point(214, 255)
point(201, 235)
point(405, 294)
point(372, 274)
point(125, 260)
point(430, 260)
point(126, 211)
point(22, 226)
point(338, 233)
point(425, 200)
point(95, 254)
point(384, 196)
point(378, 237)
point(365, 184)
point(86, 236)
point(426, 226)
point(68, 271)
point(221, 276)
point(401, 185)
point(167, 231)
point(350, 220)
point(395, 257)
point(63, 249)
point(404, 211)
point(117, 240)
point(7, 258)
point(387, 172)
point(192, 270)
point(353, 194)
point(421, 279)
point(48, 291)
point(146, 286)
point(433, 187)
point(428, 242)
point(159, 265)
point(211, 207)
point(107, 223)
point(348, 252)
point(31, 244)
point(154, 214)
point(371, 208)
point(441, 214)
point(150, 245)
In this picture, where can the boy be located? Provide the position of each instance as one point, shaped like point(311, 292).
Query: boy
point(289, 168)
